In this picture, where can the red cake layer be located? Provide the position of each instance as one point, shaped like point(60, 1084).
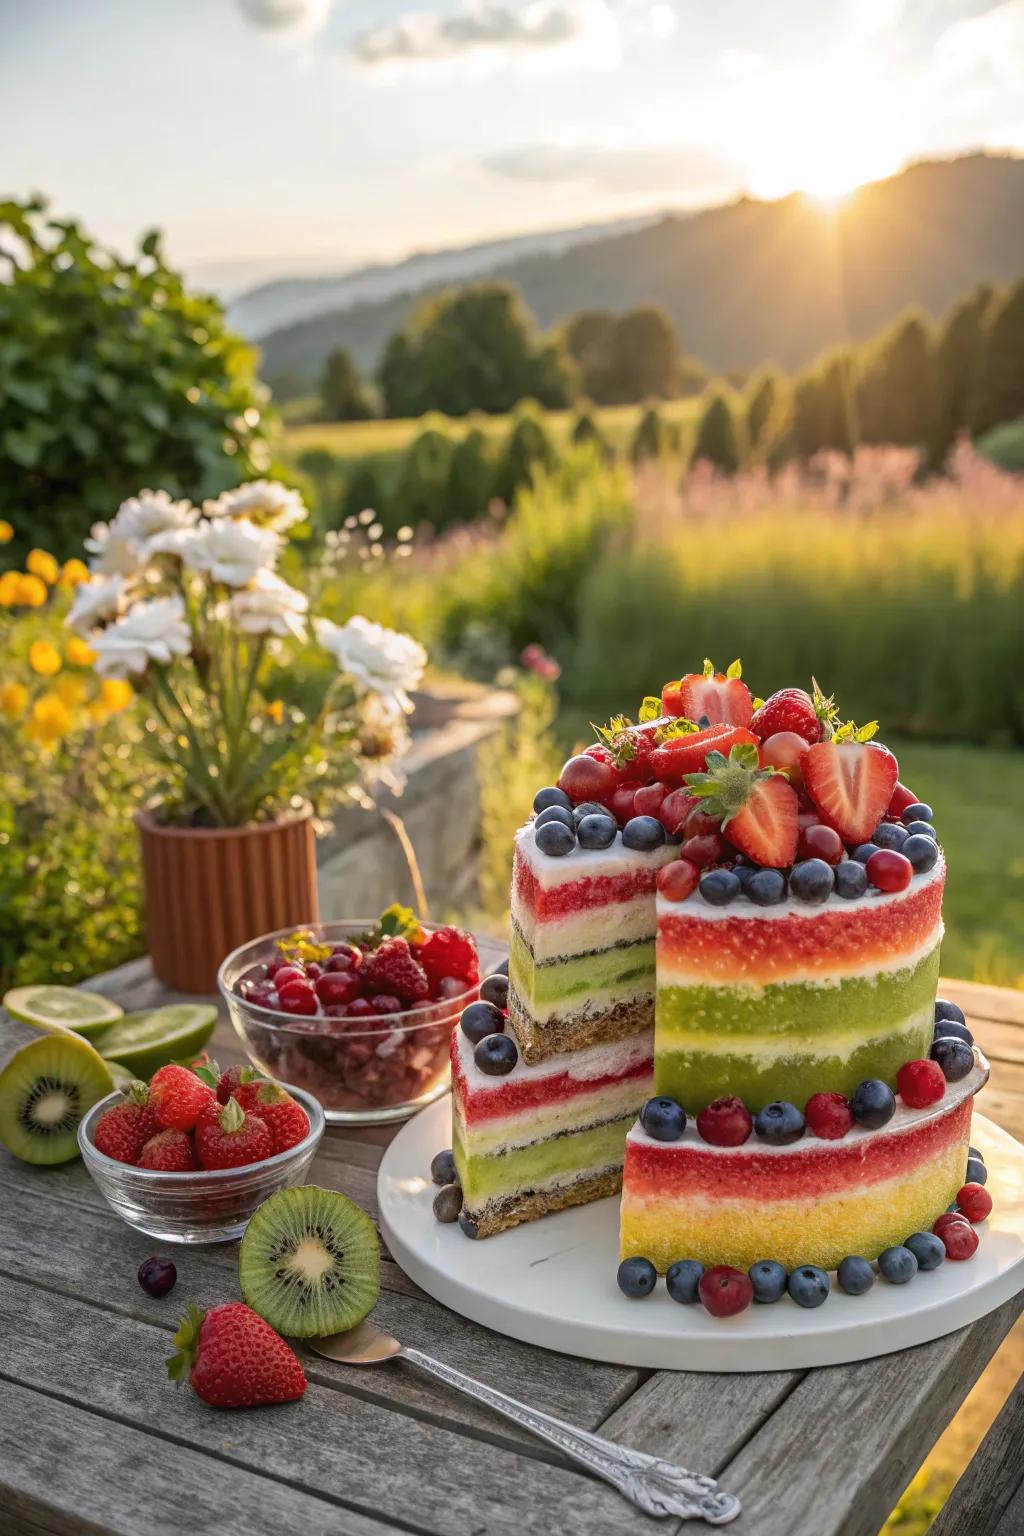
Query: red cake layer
point(576, 895)
point(532, 1087)
point(676, 1170)
point(822, 940)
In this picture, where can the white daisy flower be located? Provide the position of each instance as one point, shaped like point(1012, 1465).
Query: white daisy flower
point(267, 503)
point(95, 602)
point(382, 660)
point(111, 552)
point(270, 607)
point(229, 551)
point(153, 631)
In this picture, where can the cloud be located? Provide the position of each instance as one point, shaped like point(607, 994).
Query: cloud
point(984, 50)
point(294, 16)
point(680, 170)
point(490, 32)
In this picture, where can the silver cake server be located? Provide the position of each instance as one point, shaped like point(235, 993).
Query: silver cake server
point(655, 1486)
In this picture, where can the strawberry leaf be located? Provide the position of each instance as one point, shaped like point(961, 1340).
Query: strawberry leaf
point(736, 670)
point(680, 726)
point(186, 1341)
point(650, 709)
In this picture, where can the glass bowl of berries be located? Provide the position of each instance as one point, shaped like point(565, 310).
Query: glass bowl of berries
point(358, 1013)
point(190, 1158)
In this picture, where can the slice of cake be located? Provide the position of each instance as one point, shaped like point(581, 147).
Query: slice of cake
point(535, 1139)
point(581, 956)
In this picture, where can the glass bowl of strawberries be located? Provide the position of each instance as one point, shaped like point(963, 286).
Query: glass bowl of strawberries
point(358, 1013)
point(189, 1157)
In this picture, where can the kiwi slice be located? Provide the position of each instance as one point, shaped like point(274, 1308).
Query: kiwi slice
point(45, 1089)
point(309, 1262)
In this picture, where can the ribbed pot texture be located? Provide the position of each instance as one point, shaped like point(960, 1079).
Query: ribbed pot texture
point(210, 889)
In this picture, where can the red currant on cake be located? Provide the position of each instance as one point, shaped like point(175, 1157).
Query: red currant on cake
point(588, 778)
point(888, 870)
point(725, 1122)
point(725, 1291)
point(678, 880)
point(920, 1083)
point(958, 1238)
point(975, 1202)
point(828, 1116)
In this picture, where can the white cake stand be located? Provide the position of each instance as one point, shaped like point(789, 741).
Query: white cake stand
point(552, 1282)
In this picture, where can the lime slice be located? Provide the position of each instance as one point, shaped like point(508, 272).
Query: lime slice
point(142, 1042)
point(58, 1009)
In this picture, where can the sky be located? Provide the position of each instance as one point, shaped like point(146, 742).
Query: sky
point(278, 137)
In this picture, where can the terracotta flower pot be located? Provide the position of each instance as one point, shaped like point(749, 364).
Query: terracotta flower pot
point(210, 889)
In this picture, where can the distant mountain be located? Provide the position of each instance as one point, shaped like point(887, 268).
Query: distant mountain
point(275, 305)
point(744, 283)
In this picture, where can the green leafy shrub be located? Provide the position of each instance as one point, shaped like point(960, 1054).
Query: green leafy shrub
point(651, 440)
point(112, 375)
point(471, 479)
point(528, 449)
point(718, 438)
point(421, 495)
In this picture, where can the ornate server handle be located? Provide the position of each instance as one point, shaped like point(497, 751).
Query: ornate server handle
point(655, 1486)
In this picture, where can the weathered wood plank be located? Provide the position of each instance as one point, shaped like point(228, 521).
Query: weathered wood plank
point(835, 1456)
point(699, 1421)
point(100, 1264)
point(989, 1498)
point(354, 1452)
point(980, 1001)
point(65, 1471)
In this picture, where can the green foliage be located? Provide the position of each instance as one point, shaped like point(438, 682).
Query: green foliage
point(959, 358)
point(422, 491)
point(586, 433)
point(1004, 446)
point(652, 439)
point(342, 390)
point(635, 356)
point(112, 376)
point(364, 489)
point(471, 349)
point(527, 450)
point(1002, 384)
point(471, 479)
point(718, 439)
point(896, 393)
point(824, 408)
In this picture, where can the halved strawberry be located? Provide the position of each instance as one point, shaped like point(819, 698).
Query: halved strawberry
point(721, 698)
point(680, 755)
point(758, 808)
point(851, 783)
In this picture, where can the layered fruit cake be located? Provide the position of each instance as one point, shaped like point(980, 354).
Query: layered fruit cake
point(754, 875)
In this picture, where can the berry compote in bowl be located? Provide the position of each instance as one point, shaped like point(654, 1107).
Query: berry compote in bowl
point(358, 1013)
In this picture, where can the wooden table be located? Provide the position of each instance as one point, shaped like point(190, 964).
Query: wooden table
point(94, 1438)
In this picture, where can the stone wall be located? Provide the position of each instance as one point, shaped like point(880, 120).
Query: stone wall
point(361, 864)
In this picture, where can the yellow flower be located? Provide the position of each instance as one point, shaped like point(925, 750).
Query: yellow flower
point(73, 573)
point(79, 652)
point(31, 592)
point(115, 694)
point(44, 658)
point(14, 700)
point(51, 719)
point(6, 531)
point(275, 710)
point(10, 587)
point(97, 714)
point(42, 564)
point(71, 690)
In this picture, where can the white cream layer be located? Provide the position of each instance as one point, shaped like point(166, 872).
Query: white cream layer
point(587, 863)
point(607, 1060)
point(613, 1101)
point(595, 1003)
point(590, 928)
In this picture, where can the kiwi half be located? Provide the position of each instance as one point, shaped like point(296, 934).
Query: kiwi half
point(45, 1089)
point(309, 1262)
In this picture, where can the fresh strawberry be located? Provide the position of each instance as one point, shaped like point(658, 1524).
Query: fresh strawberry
point(791, 709)
point(233, 1359)
point(123, 1130)
point(169, 1152)
point(679, 755)
point(672, 699)
point(718, 698)
point(284, 1118)
point(229, 1136)
point(449, 952)
point(851, 783)
point(179, 1097)
point(391, 968)
point(234, 1078)
point(757, 807)
point(627, 748)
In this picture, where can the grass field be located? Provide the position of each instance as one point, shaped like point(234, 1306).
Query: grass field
point(349, 440)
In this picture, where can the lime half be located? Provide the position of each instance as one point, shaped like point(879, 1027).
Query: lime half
point(57, 1009)
point(142, 1042)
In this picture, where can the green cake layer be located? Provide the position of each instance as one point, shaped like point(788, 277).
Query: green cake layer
point(787, 1041)
point(527, 1168)
point(559, 984)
